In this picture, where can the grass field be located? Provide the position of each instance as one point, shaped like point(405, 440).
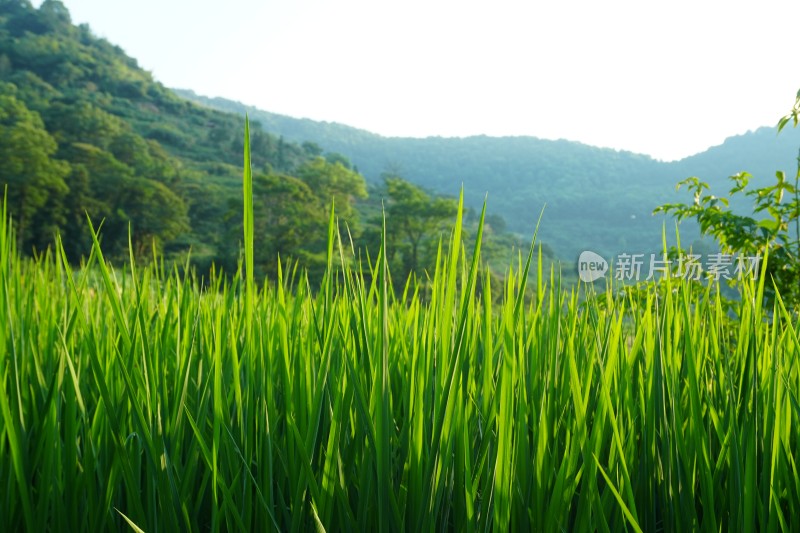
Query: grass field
point(135, 397)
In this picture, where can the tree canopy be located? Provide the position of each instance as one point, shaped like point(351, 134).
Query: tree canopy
point(85, 131)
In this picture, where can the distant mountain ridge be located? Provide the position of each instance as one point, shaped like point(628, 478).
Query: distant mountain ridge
point(349, 140)
point(595, 198)
point(117, 143)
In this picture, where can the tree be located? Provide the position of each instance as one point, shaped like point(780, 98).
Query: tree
point(107, 180)
point(155, 213)
point(85, 115)
point(54, 16)
point(34, 179)
point(412, 218)
point(333, 181)
point(287, 224)
point(336, 157)
point(312, 149)
point(286, 215)
point(146, 157)
point(778, 233)
point(81, 121)
point(121, 197)
point(75, 235)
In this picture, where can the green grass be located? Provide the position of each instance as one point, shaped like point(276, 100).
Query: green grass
point(138, 397)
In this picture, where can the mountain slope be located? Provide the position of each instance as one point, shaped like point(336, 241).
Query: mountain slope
point(761, 152)
point(84, 130)
point(595, 198)
point(121, 146)
point(114, 143)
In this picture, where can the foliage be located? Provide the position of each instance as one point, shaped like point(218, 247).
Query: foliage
point(416, 215)
point(85, 130)
point(419, 220)
point(97, 135)
point(290, 214)
point(135, 398)
point(777, 234)
point(596, 198)
point(331, 179)
point(35, 181)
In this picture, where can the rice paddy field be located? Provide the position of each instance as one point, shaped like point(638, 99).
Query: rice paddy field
point(136, 398)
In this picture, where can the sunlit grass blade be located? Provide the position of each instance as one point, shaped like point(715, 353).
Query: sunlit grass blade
point(458, 398)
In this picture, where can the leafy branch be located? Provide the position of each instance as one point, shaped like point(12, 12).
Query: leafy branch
point(754, 233)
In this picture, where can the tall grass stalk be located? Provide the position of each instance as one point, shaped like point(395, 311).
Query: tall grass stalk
point(135, 398)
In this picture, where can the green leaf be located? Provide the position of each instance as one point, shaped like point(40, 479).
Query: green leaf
point(769, 224)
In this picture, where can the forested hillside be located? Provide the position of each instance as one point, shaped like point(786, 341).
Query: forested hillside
point(596, 198)
point(84, 130)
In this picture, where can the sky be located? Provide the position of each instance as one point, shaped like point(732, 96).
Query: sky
point(663, 78)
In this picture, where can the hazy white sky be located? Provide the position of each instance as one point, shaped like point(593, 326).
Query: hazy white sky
point(667, 79)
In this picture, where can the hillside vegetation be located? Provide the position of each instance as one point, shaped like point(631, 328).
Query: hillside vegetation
point(596, 198)
point(84, 130)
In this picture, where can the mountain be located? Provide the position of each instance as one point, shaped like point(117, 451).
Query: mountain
point(595, 198)
point(84, 130)
point(760, 152)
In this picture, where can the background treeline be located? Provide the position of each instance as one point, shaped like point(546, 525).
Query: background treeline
point(83, 130)
point(596, 198)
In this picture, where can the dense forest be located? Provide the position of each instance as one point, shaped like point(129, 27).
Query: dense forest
point(84, 130)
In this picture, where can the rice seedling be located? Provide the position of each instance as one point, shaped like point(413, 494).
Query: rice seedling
point(134, 397)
